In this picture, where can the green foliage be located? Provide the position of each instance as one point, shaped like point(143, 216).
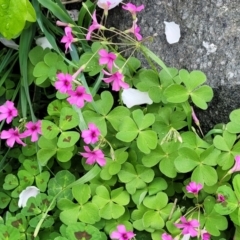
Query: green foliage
point(14, 16)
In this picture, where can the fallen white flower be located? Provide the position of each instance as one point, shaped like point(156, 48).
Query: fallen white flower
point(9, 43)
point(132, 97)
point(104, 4)
point(172, 31)
point(30, 191)
point(43, 42)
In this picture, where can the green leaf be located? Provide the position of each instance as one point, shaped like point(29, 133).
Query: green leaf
point(234, 125)
point(49, 129)
point(153, 220)
point(196, 78)
point(147, 140)
point(10, 182)
point(42, 180)
point(128, 130)
point(230, 203)
point(105, 104)
point(116, 116)
point(89, 213)
point(205, 175)
point(176, 94)
point(156, 202)
point(4, 200)
point(68, 139)
point(214, 221)
point(13, 17)
point(81, 193)
point(236, 186)
point(68, 118)
point(64, 154)
point(143, 121)
point(202, 95)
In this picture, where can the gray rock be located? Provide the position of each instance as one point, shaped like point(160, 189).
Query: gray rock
point(210, 42)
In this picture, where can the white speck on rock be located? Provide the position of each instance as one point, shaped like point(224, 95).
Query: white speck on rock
point(211, 48)
point(172, 31)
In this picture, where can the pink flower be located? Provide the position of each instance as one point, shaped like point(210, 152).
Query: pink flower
point(62, 24)
point(12, 136)
point(194, 187)
point(117, 80)
point(135, 30)
point(106, 58)
point(195, 119)
point(67, 38)
point(220, 198)
point(205, 235)
point(122, 234)
point(8, 111)
point(133, 9)
point(236, 166)
point(64, 82)
point(95, 25)
point(94, 156)
point(33, 130)
point(166, 236)
point(188, 226)
point(91, 135)
point(78, 96)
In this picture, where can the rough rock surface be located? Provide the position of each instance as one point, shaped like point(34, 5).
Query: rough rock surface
point(215, 22)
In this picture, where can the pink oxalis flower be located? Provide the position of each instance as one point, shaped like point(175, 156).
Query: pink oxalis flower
point(106, 58)
point(189, 227)
point(94, 156)
point(117, 80)
point(78, 96)
point(95, 25)
point(12, 136)
point(133, 9)
point(63, 83)
point(166, 236)
point(67, 38)
point(194, 187)
point(91, 135)
point(8, 111)
point(236, 167)
point(205, 235)
point(220, 198)
point(33, 130)
point(122, 233)
point(135, 29)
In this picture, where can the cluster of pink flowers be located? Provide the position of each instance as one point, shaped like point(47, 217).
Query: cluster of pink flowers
point(116, 78)
point(12, 135)
point(189, 228)
point(77, 96)
point(91, 136)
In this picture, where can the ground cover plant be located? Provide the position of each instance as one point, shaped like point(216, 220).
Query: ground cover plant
point(96, 146)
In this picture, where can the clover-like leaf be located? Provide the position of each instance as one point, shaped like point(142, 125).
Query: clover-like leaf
point(229, 204)
point(176, 93)
point(10, 182)
point(49, 129)
point(214, 221)
point(68, 139)
point(68, 118)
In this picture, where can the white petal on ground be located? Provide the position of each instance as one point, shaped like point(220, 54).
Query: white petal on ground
point(73, 14)
point(132, 97)
point(9, 43)
point(30, 191)
point(43, 42)
point(103, 3)
point(172, 31)
point(211, 48)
